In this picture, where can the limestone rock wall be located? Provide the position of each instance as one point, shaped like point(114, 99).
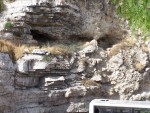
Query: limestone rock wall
point(61, 84)
point(66, 85)
point(61, 19)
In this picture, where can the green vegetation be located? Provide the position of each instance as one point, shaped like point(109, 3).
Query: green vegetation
point(2, 6)
point(8, 25)
point(137, 12)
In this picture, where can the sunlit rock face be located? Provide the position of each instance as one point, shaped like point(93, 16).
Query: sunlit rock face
point(63, 19)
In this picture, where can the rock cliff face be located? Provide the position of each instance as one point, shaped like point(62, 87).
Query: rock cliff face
point(67, 85)
point(62, 19)
point(40, 82)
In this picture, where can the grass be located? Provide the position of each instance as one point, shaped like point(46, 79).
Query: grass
point(63, 47)
point(88, 83)
point(127, 42)
point(137, 12)
point(7, 47)
point(17, 52)
point(9, 25)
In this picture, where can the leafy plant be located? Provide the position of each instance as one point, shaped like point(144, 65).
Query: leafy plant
point(8, 25)
point(137, 12)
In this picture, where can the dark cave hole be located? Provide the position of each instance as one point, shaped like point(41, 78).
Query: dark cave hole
point(41, 38)
point(107, 41)
point(80, 38)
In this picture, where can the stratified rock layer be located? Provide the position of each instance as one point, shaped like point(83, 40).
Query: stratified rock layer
point(62, 19)
point(66, 84)
point(63, 85)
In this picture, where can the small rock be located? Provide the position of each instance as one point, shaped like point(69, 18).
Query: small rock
point(39, 52)
point(90, 48)
point(97, 78)
point(75, 91)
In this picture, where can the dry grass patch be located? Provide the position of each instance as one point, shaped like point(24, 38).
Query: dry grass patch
point(17, 52)
point(116, 48)
point(62, 48)
point(128, 42)
point(7, 47)
point(88, 83)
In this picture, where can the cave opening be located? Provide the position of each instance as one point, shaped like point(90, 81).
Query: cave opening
point(107, 41)
point(41, 38)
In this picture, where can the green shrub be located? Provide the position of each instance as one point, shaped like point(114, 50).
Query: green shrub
point(137, 12)
point(8, 25)
point(2, 6)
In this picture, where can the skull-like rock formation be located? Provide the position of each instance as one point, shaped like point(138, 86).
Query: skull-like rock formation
point(62, 19)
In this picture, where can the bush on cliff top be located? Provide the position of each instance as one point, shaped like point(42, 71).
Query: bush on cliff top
point(137, 12)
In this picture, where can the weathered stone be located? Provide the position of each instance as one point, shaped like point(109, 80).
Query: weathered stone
point(26, 63)
point(38, 65)
point(125, 83)
point(62, 19)
point(90, 48)
point(53, 83)
point(97, 77)
point(6, 62)
point(115, 62)
point(142, 96)
point(77, 107)
point(37, 85)
point(81, 91)
point(56, 97)
point(26, 82)
point(40, 52)
point(76, 91)
point(25, 97)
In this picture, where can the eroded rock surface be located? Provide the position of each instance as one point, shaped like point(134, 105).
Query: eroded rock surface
point(59, 85)
point(40, 82)
point(62, 19)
